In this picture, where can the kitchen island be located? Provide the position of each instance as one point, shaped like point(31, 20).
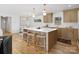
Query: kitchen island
point(49, 33)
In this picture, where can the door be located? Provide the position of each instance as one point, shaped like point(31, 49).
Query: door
point(3, 23)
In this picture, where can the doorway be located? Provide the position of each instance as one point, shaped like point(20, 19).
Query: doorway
point(5, 24)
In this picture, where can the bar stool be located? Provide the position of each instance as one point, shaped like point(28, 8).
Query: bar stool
point(25, 36)
point(41, 40)
point(30, 38)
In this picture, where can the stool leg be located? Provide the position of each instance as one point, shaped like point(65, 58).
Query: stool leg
point(27, 41)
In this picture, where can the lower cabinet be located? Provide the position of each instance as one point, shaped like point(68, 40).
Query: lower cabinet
point(68, 34)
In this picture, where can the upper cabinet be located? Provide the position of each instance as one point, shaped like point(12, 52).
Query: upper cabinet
point(71, 16)
point(48, 18)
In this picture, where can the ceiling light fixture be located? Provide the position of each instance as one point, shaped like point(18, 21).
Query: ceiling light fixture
point(33, 14)
point(44, 10)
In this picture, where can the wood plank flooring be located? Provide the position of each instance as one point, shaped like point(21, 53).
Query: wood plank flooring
point(19, 46)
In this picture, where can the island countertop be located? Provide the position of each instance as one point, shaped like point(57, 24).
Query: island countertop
point(41, 29)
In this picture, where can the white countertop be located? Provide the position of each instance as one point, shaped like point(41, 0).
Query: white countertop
point(42, 29)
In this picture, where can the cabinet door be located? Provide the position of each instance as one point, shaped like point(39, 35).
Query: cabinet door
point(48, 18)
point(69, 33)
point(74, 40)
point(45, 18)
point(74, 16)
point(59, 33)
point(71, 16)
point(49, 15)
point(63, 33)
point(66, 16)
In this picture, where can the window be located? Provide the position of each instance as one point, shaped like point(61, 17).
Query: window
point(58, 20)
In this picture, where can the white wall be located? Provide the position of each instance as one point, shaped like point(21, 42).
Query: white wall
point(0, 22)
point(31, 23)
point(38, 24)
point(8, 27)
point(15, 24)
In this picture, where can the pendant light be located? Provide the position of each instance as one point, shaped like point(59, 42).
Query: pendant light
point(33, 14)
point(44, 10)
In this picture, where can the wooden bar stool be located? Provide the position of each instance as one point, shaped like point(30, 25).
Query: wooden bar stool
point(25, 32)
point(25, 36)
point(31, 38)
point(41, 41)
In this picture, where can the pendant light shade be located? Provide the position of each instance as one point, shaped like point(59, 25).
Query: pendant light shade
point(44, 10)
point(33, 14)
point(44, 13)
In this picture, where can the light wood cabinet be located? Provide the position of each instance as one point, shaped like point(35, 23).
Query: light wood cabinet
point(62, 33)
point(68, 34)
point(75, 38)
point(66, 16)
point(74, 15)
point(71, 16)
point(48, 18)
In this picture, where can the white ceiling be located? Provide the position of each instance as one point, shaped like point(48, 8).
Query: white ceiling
point(27, 9)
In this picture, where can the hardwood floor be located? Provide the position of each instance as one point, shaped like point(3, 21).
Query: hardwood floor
point(20, 46)
point(61, 48)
